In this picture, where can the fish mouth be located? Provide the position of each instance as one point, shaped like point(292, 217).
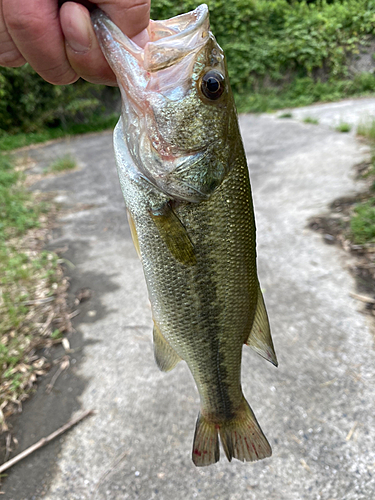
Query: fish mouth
point(159, 72)
point(170, 40)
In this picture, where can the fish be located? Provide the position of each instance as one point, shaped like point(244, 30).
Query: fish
point(185, 181)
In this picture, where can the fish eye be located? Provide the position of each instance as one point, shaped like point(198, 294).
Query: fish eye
point(212, 85)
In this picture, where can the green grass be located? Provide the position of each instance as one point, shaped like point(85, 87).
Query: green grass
point(367, 129)
point(26, 274)
point(343, 127)
point(66, 162)
point(17, 211)
point(303, 92)
point(312, 121)
point(286, 115)
point(10, 142)
point(362, 223)
point(300, 92)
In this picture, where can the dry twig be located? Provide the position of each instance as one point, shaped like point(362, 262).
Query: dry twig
point(110, 469)
point(304, 465)
point(39, 301)
point(351, 432)
point(363, 298)
point(65, 362)
point(44, 441)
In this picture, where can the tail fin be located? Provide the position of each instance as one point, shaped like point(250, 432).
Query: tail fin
point(206, 443)
point(242, 438)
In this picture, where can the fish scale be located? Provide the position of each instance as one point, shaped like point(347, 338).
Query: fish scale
point(191, 216)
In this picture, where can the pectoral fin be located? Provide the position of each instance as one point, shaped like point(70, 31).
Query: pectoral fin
point(174, 235)
point(133, 232)
point(260, 336)
point(166, 358)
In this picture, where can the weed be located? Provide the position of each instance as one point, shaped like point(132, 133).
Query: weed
point(367, 129)
point(17, 211)
point(362, 224)
point(56, 334)
point(303, 92)
point(9, 142)
point(31, 284)
point(66, 162)
point(343, 127)
point(312, 121)
point(286, 115)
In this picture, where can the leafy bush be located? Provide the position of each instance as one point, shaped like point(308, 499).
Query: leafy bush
point(28, 103)
point(305, 91)
point(273, 41)
point(279, 52)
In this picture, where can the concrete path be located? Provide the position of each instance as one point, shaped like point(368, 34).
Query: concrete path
point(351, 112)
point(317, 408)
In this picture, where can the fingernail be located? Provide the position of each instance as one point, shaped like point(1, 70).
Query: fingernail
point(77, 33)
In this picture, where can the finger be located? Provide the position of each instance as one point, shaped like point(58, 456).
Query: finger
point(82, 47)
point(142, 38)
point(10, 56)
point(34, 27)
point(131, 16)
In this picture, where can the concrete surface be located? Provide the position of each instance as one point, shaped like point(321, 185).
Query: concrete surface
point(317, 408)
point(352, 112)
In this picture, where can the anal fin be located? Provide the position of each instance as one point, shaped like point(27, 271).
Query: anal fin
point(260, 336)
point(165, 356)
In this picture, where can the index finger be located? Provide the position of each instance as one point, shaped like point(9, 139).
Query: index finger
point(131, 16)
point(82, 47)
point(35, 29)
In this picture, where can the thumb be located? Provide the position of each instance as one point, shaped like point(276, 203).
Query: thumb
point(82, 47)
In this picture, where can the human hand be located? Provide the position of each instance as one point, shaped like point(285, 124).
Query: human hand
point(59, 42)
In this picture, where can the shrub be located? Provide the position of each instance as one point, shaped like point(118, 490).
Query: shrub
point(272, 41)
point(298, 49)
point(28, 103)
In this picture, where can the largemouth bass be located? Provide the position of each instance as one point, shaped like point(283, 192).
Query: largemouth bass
point(184, 177)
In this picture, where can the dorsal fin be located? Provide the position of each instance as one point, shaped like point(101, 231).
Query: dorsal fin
point(260, 336)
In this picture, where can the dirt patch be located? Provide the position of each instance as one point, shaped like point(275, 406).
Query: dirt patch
point(42, 414)
point(46, 375)
point(335, 229)
point(43, 315)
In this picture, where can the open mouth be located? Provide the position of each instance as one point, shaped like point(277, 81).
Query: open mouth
point(151, 78)
point(170, 40)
